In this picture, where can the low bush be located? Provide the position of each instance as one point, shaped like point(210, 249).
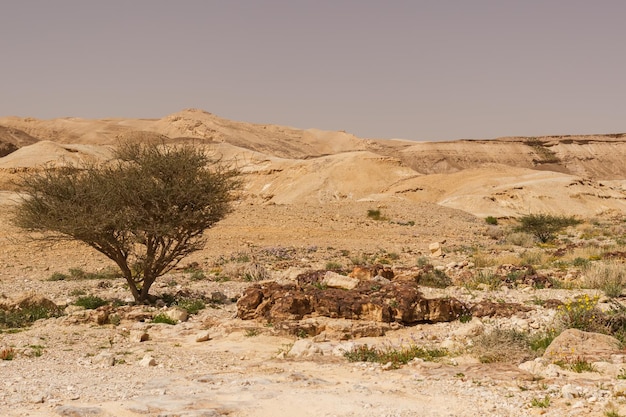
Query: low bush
point(610, 277)
point(397, 356)
point(375, 214)
point(163, 318)
point(545, 226)
point(23, 317)
point(491, 220)
point(435, 278)
point(503, 345)
point(90, 302)
point(191, 305)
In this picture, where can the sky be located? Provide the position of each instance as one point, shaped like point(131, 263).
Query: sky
point(411, 69)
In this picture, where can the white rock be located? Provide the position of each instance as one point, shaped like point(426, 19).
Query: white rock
point(104, 359)
point(147, 361)
point(178, 314)
point(203, 337)
point(570, 391)
point(335, 280)
point(304, 348)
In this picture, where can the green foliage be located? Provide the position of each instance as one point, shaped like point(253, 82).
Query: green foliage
point(375, 214)
point(252, 332)
point(539, 342)
point(146, 210)
point(163, 318)
point(197, 275)
point(333, 266)
point(491, 220)
point(23, 317)
point(541, 402)
point(435, 278)
point(57, 276)
point(90, 302)
point(581, 313)
point(191, 305)
point(580, 365)
point(486, 277)
point(545, 226)
point(395, 355)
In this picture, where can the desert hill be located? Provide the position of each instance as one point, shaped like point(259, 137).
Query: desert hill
point(581, 175)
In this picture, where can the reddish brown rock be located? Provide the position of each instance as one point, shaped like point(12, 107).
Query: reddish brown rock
point(398, 301)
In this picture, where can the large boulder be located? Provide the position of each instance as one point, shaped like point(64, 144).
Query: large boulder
point(574, 344)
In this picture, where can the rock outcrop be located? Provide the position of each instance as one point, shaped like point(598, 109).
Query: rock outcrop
point(399, 302)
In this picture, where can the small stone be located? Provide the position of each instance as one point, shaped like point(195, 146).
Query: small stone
point(178, 314)
point(147, 361)
point(570, 391)
point(203, 337)
point(104, 358)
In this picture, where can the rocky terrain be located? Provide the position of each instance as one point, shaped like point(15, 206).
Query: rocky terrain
point(301, 277)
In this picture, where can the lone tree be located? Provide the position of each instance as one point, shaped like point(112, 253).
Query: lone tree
point(146, 210)
point(545, 226)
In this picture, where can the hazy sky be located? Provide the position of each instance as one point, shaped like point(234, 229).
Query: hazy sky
point(425, 70)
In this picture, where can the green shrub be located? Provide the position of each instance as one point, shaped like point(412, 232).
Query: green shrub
point(541, 402)
point(545, 226)
point(191, 305)
point(582, 313)
point(435, 278)
point(375, 214)
point(23, 317)
point(57, 276)
point(580, 365)
point(90, 302)
point(333, 266)
point(395, 355)
point(491, 220)
point(163, 318)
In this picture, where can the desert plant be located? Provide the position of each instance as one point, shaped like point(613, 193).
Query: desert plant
point(545, 226)
point(580, 365)
point(333, 266)
point(581, 313)
point(491, 220)
point(164, 319)
point(435, 278)
point(540, 402)
point(522, 239)
point(90, 302)
point(486, 278)
point(503, 345)
point(7, 354)
point(375, 214)
point(24, 316)
point(391, 354)
point(146, 210)
point(610, 277)
point(191, 305)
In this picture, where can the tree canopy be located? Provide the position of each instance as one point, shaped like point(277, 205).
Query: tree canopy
point(146, 210)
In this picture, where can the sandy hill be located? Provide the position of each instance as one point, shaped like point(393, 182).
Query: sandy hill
point(581, 175)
